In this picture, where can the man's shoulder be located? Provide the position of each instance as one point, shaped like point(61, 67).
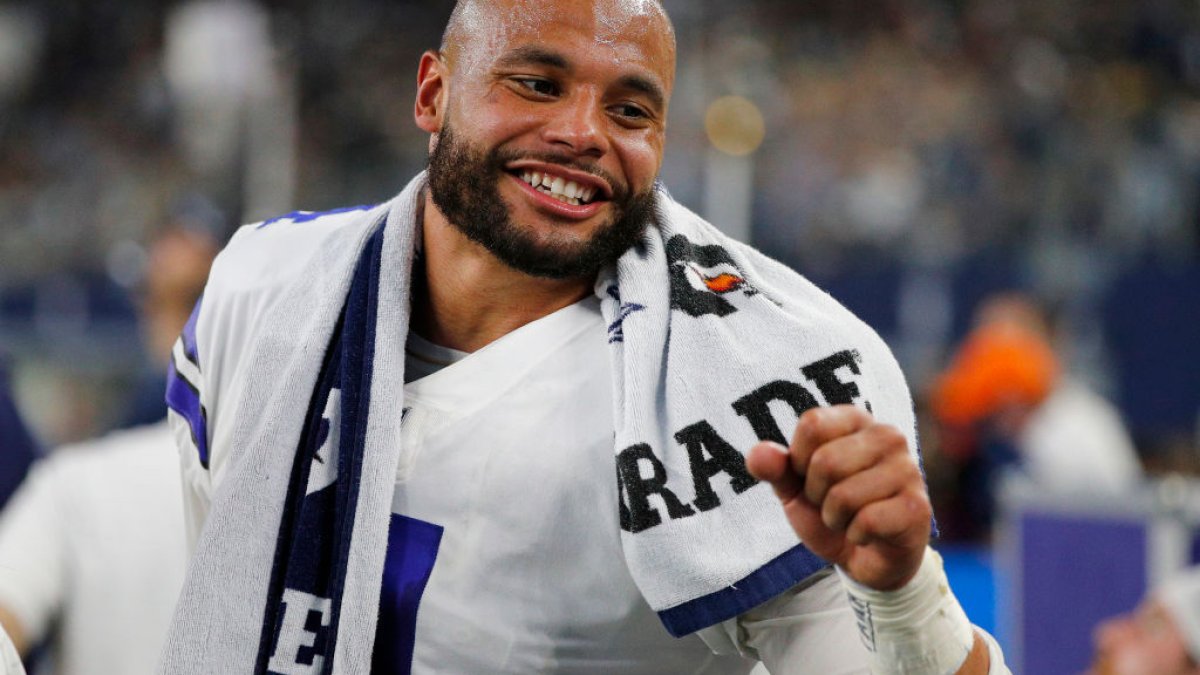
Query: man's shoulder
point(108, 466)
point(270, 275)
point(696, 242)
point(116, 452)
point(270, 252)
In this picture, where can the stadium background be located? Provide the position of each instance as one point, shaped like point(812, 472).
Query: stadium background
point(911, 156)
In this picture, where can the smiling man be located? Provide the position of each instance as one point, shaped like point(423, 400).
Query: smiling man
point(532, 415)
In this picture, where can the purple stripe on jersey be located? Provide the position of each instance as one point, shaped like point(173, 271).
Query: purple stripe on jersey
point(184, 398)
point(189, 335)
point(765, 583)
point(412, 550)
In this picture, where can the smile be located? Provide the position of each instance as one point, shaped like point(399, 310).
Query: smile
point(562, 189)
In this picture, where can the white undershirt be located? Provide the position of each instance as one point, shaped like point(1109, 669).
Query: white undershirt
point(423, 358)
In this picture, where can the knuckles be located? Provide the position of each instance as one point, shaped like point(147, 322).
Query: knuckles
point(886, 437)
point(837, 507)
point(916, 505)
point(881, 441)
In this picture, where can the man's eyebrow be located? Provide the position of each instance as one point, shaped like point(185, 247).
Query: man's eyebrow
point(532, 54)
point(646, 86)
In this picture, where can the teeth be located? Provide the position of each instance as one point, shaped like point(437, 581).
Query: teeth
point(564, 190)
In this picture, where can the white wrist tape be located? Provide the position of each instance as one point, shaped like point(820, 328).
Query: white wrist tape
point(918, 629)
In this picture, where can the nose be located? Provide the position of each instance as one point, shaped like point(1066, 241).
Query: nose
point(578, 126)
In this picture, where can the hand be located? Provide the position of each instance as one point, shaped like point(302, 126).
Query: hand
point(852, 492)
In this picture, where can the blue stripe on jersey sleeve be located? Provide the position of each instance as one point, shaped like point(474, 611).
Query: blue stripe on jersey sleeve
point(768, 581)
point(184, 398)
point(183, 395)
point(189, 335)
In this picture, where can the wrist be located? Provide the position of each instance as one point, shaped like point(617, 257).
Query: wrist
point(916, 629)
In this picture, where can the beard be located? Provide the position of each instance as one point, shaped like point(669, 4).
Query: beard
point(465, 185)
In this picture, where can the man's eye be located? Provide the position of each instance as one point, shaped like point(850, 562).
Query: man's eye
point(538, 86)
point(631, 111)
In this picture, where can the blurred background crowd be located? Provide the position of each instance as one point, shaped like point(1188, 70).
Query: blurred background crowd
point(943, 167)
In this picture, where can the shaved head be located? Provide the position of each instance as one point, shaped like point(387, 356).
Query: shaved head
point(467, 21)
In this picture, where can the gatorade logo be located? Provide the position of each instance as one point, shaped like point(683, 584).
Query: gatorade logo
point(702, 276)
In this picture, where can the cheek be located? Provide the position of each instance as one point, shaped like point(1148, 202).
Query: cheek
point(494, 117)
point(642, 160)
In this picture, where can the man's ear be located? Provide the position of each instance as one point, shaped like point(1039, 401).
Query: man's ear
point(430, 108)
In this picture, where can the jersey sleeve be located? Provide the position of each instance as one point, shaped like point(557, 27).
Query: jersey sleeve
point(206, 380)
point(33, 551)
point(188, 402)
point(808, 630)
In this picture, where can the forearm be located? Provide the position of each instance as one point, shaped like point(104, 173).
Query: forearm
point(978, 660)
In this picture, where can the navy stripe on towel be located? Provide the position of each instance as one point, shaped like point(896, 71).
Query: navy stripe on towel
point(765, 583)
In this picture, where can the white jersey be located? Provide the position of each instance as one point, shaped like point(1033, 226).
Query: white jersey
point(93, 542)
point(504, 548)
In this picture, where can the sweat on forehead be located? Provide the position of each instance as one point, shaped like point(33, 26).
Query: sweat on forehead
point(471, 18)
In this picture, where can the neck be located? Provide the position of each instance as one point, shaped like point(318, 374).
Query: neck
point(465, 298)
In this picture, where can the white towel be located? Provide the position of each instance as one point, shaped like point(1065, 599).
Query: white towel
point(713, 346)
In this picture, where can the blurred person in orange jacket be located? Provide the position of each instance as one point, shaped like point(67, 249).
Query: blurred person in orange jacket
point(1005, 405)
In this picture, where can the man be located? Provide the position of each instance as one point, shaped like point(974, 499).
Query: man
point(92, 551)
point(1161, 637)
point(1005, 406)
point(525, 254)
point(91, 545)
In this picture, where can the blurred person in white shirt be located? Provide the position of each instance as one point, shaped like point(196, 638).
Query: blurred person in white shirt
point(92, 545)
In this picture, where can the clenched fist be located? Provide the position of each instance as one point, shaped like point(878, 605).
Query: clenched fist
point(853, 492)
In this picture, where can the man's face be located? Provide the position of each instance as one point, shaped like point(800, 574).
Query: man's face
point(1144, 643)
point(552, 129)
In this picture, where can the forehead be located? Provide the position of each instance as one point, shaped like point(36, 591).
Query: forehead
point(633, 33)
